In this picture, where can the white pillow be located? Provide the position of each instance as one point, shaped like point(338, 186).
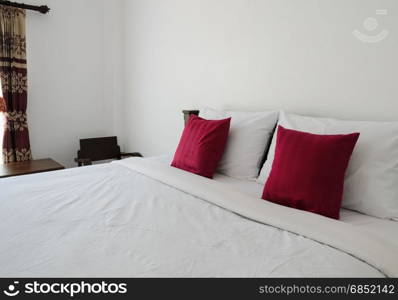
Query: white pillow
point(249, 135)
point(371, 184)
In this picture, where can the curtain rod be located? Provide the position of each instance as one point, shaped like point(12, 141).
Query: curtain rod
point(42, 8)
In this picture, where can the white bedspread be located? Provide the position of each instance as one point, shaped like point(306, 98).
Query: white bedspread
point(134, 219)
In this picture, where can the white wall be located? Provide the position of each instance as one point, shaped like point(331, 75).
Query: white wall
point(74, 65)
point(253, 55)
point(128, 67)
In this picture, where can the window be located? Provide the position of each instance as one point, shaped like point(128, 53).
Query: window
point(2, 124)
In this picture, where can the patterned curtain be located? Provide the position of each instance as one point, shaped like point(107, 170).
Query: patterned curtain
point(13, 72)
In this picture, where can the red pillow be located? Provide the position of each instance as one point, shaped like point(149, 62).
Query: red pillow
point(202, 145)
point(308, 171)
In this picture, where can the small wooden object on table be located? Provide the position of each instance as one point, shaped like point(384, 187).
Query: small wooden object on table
point(100, 149)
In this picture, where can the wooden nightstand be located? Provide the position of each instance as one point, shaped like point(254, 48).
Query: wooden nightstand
point(29, 167)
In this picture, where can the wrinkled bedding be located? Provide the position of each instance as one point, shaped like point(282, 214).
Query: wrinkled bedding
point(119, 220)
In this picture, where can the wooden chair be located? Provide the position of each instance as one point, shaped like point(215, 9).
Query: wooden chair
point(97, 149)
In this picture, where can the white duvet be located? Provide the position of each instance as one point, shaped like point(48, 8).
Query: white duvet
point(140, 218)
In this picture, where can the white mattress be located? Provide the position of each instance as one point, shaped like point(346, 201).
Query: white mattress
point(387, 229)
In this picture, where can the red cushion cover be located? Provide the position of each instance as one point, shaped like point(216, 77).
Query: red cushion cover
point(202, 145)
point(308, 171)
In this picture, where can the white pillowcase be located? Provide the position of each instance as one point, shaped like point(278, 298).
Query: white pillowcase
point(249, 136)
point(371, 184)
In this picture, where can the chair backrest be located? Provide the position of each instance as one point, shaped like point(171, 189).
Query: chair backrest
point(99, 148)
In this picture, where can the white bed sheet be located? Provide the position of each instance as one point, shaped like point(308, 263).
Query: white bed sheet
point(109, 221)
point(387, 229)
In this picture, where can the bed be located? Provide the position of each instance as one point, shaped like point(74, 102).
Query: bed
point(142, 218)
